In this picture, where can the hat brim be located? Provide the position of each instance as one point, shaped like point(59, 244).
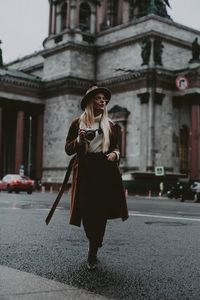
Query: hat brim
point(106, 92)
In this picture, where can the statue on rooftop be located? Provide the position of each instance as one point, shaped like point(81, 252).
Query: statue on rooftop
point(161, 8)
point(195, 51)
point(145, 7)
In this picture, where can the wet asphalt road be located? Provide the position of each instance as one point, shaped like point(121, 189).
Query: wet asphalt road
point(154, 255)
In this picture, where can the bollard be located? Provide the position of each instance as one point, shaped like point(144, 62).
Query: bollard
point(43, 189)
point(149, 195)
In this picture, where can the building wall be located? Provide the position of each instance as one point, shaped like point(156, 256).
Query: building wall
point(119, 51)
point(59, 112)
point(152, 136)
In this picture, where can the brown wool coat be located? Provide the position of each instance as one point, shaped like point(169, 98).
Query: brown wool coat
point(73, 147)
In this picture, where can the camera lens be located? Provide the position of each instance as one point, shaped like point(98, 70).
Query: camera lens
point(90, 135)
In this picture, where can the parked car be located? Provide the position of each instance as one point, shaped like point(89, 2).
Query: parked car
point(185, 190)
point(16, 183)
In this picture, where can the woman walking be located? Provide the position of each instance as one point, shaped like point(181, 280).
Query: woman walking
point(97, 188)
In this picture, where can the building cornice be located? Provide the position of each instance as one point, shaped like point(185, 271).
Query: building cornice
point(127, 80)
point(145, 19)
point(69, 46)
point(138, 38)
point(26, 86)
point(35, 84)
point(163, 79)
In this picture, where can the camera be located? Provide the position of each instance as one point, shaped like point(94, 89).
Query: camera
point(91, 133)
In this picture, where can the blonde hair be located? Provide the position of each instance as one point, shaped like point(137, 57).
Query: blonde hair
point(87, 120)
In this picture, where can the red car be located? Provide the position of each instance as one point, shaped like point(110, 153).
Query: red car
point(16, 183)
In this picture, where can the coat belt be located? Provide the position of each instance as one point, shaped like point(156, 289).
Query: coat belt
point(63, 187)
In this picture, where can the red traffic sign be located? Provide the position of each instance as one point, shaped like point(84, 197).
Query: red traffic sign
point(182, 83)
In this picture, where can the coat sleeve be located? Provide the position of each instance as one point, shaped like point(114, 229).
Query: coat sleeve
point(72, 146)
point(116, 140)
point(118, 137)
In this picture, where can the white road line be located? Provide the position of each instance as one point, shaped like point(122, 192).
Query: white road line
point(131, 213)
point(35, 208)
point(162, 217)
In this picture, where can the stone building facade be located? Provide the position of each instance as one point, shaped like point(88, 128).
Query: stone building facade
point(150, 63)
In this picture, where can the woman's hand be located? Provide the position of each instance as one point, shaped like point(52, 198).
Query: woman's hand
point(111, 156)
point(82, 136)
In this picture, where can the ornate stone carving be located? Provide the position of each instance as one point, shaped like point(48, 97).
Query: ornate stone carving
point(146, 50)
point(195, 51)
point(158, 49)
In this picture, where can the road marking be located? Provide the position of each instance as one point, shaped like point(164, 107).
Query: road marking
point(35, 208)
point(131, 213)
point(162, 217)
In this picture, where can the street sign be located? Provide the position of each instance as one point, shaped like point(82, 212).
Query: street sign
point(182, 83)
point(159, 171)
point(21, 170)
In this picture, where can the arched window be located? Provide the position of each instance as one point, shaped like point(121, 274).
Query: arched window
point(85, 13)
point(184, 149)
point(64, 16)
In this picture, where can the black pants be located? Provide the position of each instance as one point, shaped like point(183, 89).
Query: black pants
point(94, 229)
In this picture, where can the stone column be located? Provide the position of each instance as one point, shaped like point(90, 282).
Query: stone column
point(144, 100)
point(50, 18)
point(120, 12)
point(19, 141)
point(199, 141)
point(195, 136)
point(77, 13)
point(1, 149)
point(39, 147)
point(104, 12)
point(73, 14)
point(68, 13)
point(151, 82)
point(151, 133)
point(58, 19)
point(53, 23)
point(93, 22)
point(158, 129)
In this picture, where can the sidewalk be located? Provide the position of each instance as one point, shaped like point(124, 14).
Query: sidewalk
point(17, 285)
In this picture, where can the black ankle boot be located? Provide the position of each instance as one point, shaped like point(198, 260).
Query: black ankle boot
point(92, 256)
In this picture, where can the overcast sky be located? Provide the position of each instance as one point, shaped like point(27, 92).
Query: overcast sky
point(24, 23)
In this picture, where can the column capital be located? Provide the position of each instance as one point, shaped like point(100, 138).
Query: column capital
point(144, 97)
point(159, 98)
